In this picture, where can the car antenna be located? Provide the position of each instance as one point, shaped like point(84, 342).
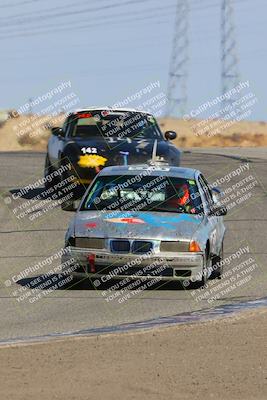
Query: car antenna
point(156, 160)
point(125, 157)
point(154, 152)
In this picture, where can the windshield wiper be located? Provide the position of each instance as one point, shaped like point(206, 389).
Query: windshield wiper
point(167, 210)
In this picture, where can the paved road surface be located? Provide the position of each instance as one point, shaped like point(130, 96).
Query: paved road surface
point(25, 243)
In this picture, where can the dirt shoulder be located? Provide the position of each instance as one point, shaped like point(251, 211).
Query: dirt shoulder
point(223, 359)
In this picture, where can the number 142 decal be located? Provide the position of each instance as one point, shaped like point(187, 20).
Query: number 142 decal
point(89, 150)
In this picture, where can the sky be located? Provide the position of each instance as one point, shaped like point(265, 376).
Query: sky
point(110, 49)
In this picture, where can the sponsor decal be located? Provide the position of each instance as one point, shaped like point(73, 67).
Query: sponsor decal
point(91, 225)
point(126, 220)
point(168, 222)
point(91, 161)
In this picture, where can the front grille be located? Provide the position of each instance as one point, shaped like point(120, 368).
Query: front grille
point(120, 246)
point(133, 271)
point(90, 243)
point(174, 247)
point(141, 247)
point(182, 273)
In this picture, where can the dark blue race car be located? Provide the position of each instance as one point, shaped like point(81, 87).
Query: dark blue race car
point(91, 139)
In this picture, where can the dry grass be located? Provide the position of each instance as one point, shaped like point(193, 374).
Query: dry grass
point(27, 132)
point(32, 133)
point(240, 134)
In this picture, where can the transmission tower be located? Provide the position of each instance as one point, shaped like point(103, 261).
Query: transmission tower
point(178, 73)
point(230, 72)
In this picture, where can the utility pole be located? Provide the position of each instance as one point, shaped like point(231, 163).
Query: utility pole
point(30, 108)
point(229, 60)
point(178, 73)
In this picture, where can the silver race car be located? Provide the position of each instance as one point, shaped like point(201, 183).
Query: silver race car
point(146, 222)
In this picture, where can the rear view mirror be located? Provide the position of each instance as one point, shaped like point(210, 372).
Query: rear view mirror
point(76, 204)
point(70, 205)
point(170, 135)
point(216, 195)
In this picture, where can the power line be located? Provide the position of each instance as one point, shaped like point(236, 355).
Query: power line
point(74, 12)
point(68, 5)
point(44, 18)
point(103, 18)
point(18, 4)
point(85, 27)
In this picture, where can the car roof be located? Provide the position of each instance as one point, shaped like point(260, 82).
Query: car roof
point(106, 108)
point(155, 170)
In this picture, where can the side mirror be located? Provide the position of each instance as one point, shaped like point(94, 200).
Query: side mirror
point(218, 211)
point(57, 131)
point(76, 204)
point(170, 135)
point(70, 205)
point(216, 195)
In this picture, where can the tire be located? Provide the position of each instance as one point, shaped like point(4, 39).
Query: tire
point(47, 171)
point(78, 191)
point(217, 270)
point(204, 279)
point(67, 205)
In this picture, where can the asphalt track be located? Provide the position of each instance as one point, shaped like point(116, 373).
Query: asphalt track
point(25, 243)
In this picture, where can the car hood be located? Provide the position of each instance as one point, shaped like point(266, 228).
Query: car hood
point(142, 225)
point(139, 150)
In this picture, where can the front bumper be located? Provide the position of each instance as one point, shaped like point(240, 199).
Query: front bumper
point(83, 176)
point(107, 266)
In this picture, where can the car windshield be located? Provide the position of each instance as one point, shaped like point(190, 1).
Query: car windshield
point(118, 125)
point(143, 193)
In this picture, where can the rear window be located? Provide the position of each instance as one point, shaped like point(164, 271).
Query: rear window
point(118, 125)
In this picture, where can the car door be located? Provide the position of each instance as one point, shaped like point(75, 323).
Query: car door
point(211, 222)
point(220, 228)
point(56, 145)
